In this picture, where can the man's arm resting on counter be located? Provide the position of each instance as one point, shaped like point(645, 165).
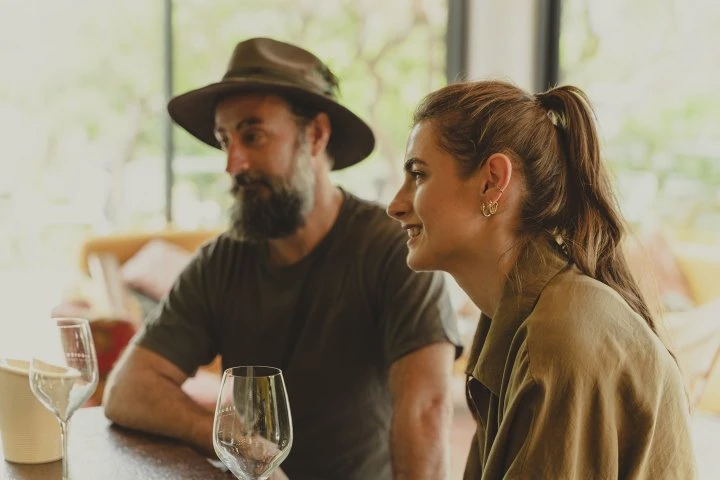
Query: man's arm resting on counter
point(144, 392)
point(422, 413)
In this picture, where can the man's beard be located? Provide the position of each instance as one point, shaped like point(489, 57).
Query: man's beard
point(255, 217)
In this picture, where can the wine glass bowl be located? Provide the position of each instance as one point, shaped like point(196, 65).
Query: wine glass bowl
point(63, 374)
point(252, 429)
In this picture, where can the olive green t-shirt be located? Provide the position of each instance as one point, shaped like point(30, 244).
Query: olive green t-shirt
point(566, 381)
point(366, 310)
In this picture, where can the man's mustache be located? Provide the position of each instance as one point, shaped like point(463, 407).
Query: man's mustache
point(249, 180)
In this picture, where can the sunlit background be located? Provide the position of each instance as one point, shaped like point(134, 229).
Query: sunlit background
point(82, 122)
point(82, 109)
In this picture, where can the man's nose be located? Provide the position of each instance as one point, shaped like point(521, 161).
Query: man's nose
point(238, 160)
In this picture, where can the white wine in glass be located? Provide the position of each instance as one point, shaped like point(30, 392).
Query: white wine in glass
point(64, 372)
point(252, 431)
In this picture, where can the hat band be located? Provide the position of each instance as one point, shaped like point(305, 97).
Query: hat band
point(265, 74)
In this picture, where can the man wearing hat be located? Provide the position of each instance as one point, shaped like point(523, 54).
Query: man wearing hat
point(308, 278)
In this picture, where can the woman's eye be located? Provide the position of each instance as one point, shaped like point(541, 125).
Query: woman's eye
point(416, 174)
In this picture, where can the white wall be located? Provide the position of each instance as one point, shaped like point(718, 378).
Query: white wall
point(501, 41)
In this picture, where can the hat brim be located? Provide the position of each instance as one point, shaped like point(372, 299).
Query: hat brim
point(194, 111)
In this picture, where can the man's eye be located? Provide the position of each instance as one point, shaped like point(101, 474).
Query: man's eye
point(252, 138)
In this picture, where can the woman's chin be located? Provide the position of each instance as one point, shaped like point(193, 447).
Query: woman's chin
point(419, 262)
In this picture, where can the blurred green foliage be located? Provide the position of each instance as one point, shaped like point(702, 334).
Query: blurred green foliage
point(82, 105)
point(651, 69)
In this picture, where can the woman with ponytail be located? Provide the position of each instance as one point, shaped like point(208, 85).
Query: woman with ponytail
point(567, 376)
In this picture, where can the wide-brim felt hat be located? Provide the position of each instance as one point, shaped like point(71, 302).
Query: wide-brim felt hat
point(267, 65)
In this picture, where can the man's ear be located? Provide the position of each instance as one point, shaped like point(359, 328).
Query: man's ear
point(497, 173)
point(319, 131)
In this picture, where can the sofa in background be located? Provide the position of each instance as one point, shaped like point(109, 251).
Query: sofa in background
point(129, 272)
point(124, 276)
point(681, 281)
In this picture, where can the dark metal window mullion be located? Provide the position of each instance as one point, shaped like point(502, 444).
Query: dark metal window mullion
point(168, 77)
point(547, 51)
point(456, 40)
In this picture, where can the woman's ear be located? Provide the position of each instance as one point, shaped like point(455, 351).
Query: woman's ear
point(498, 171)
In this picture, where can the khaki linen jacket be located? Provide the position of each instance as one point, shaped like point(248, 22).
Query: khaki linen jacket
point(565, 381)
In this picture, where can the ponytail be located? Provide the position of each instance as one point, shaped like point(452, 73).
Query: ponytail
point(593, 229)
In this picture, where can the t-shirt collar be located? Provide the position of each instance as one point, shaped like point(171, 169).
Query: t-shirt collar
point(323, 244)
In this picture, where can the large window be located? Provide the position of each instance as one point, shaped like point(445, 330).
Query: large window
point(82, 106)
point(82, 111)
point(651, 69)
point(80, 103)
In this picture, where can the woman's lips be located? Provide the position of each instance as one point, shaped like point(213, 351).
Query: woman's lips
point(413, 232)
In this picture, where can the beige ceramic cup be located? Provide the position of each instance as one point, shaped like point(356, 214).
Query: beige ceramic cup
point(30, 433)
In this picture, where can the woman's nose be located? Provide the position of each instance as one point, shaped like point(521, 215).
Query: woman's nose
point(398, 207)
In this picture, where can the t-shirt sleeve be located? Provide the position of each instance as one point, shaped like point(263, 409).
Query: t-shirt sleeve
point(180, 327)
point(414, 308)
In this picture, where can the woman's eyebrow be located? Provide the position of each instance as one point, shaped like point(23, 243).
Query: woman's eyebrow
point(410, 162)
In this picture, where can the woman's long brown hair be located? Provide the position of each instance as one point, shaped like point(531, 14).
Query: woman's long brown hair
point(552, 139)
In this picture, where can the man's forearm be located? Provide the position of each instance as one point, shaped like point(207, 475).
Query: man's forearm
point(157, 405)
point(419, 441)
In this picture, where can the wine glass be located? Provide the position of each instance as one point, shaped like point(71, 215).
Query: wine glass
point(64, 373)
point(252, 430)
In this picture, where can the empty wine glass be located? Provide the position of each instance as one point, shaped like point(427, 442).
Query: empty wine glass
point(252, 431)
point(64, 372)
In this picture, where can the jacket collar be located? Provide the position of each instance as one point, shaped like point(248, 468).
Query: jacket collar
point(537, 265)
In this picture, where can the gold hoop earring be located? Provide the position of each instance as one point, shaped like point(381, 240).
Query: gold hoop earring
point(489, 209)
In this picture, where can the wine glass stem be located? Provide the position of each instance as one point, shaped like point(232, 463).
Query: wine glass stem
point(63, 439)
